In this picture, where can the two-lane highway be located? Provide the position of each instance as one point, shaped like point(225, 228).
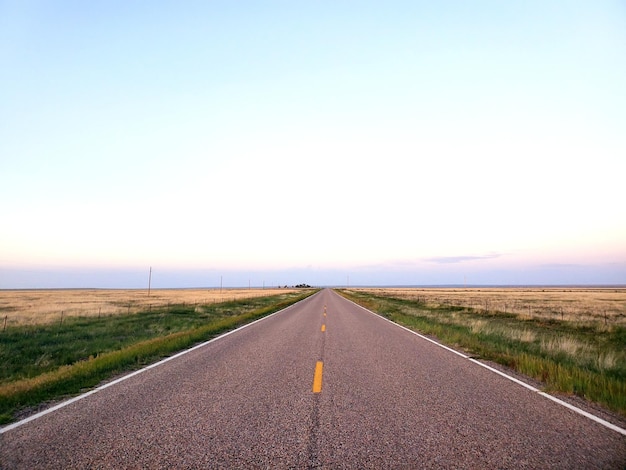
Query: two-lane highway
point(322, 384)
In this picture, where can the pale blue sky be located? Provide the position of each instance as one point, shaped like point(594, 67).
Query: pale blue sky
point(286, 142)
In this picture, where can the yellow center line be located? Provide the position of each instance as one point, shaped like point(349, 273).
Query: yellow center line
point(317, 378)
point(323, 327)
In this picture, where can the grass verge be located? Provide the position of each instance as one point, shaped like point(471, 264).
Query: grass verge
point(54, 361)
point(565, 356)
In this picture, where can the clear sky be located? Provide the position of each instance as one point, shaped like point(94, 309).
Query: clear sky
point(279, 142)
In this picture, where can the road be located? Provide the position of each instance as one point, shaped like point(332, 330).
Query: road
point(322, 384)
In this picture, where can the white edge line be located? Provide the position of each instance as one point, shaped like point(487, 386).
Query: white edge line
point(137, 372)
point(584, 413)
point(513, 379)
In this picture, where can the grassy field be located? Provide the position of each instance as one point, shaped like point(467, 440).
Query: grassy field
point(589, 306)
point(29, 307)
point(50, 360)
point(572, 340)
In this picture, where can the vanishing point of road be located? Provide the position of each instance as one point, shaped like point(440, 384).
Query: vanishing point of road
point(321, 384)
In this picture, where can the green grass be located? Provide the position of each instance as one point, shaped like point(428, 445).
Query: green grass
point(566, 356)
point(48, 362)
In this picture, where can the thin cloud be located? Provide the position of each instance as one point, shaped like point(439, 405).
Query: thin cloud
point(561, 266)
point(460, 259)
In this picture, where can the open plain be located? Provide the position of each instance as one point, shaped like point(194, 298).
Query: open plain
point(321, 384)
point(31, 307)
point(583, 305)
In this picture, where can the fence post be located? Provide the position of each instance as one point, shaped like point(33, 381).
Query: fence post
point(5, 323)
point(61, 317)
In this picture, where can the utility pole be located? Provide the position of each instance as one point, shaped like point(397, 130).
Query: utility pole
point(149, 281)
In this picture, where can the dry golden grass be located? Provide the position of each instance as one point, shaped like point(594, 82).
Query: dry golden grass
point(29, 307)
point(604, 305)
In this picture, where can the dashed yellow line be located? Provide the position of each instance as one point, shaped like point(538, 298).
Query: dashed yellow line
point(323, 327)
point(317, 377)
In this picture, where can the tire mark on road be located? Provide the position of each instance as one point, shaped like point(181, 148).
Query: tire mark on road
point(314, 460)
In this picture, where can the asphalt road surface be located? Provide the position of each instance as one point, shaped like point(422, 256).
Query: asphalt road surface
point(322, 384)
